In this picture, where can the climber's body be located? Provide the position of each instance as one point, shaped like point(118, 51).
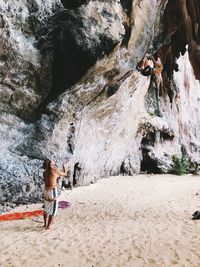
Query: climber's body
point(157, 66)
point(144, 66)
point(153, 67)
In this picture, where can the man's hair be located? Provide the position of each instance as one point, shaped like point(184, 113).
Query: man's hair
point(46, 164)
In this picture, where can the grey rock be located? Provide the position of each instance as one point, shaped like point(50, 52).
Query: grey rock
point(69, 91)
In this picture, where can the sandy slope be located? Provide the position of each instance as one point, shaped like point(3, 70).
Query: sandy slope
point(121, 221)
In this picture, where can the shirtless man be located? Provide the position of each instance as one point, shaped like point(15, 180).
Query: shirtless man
point(50, 175)
point(144, 66)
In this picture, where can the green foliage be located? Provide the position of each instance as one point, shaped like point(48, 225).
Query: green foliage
point(152, 114)
point(179, 164)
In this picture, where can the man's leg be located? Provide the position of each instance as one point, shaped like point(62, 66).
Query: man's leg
point(45, 219)
point(54, 208)
point(50, 221)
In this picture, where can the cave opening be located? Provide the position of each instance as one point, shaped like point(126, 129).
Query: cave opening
point(76, 173)
point(148, 164)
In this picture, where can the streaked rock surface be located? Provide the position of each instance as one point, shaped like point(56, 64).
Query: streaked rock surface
point(69, 91)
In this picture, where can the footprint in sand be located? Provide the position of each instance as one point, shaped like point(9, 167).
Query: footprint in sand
point(64, 250)
point(176, 255)
point(151, 261)
point(176, 242)
point(174, 262)
point(189, 260)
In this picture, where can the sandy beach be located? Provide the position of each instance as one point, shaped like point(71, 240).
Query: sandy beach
point(118, 222)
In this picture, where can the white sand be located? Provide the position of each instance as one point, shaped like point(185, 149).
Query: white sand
point(121, 221)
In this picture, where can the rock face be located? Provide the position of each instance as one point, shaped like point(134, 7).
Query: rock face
point(69, 90)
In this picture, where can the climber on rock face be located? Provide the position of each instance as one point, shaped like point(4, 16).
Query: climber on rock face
point(157, 65)
point(152, 66)
point(146, 68)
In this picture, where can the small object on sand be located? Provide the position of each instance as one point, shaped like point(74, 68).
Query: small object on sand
point(63, 204)
point(196, 215)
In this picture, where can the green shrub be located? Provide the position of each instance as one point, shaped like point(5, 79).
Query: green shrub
point(179, 165)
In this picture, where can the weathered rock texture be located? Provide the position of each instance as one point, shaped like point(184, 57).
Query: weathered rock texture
point(69, 90)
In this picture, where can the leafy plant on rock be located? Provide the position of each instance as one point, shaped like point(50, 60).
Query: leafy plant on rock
point(179, 164)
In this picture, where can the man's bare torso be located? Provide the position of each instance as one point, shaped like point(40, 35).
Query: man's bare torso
point(50, 179)
point(52, 173)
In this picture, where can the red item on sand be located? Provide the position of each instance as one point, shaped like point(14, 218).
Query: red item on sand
point(27, 214)
point(20, 215)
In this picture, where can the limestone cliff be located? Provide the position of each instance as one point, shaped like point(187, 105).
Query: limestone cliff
point(69, 90)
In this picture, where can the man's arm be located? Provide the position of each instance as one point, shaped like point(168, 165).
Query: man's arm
point(156, 63)
point(64, 172)
point(153, 59)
